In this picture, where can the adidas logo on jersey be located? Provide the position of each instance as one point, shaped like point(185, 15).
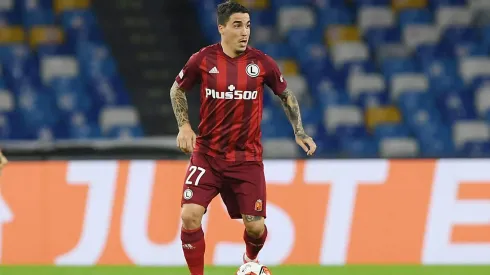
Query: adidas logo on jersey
point(214, 70)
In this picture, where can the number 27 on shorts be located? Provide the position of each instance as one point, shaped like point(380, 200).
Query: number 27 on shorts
point(193, 170)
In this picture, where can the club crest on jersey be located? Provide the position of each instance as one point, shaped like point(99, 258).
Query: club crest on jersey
point(252, 70)
point(188, 194)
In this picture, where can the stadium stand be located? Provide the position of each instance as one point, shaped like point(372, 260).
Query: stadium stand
point(374, 77)
point(390, 78)
point(58, 78)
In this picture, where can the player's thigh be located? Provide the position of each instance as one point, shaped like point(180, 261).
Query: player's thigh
point(201, 183)
point(230, 200)
point(249, 188)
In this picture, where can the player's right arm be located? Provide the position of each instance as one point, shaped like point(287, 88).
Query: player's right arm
point(187, 78)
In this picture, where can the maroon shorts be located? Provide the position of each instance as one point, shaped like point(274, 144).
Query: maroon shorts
point(241, 184)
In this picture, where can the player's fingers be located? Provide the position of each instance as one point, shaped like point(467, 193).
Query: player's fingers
point(303, 145)
point(193, 141)
point(182, 144)
point(312, 146)
point(189, 147)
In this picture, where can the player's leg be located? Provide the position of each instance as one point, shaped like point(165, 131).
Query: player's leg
point(249, 190)
point(201, 185)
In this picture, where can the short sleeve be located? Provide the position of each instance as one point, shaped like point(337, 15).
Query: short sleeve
point(190, 74)
point(273, 76)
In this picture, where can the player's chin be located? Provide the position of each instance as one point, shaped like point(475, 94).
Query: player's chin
point(241, 47)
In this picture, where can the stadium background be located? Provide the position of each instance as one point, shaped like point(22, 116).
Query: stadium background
point(376, 79)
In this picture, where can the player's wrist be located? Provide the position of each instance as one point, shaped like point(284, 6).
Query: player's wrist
point(185, 126)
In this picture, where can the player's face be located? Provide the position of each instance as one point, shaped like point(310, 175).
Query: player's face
point(237, 31)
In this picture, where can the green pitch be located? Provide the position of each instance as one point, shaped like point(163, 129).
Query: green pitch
point(276, 270)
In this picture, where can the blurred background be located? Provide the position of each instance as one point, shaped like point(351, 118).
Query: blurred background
point(375, 78)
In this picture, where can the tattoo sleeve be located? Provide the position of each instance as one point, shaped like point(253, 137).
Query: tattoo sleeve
point(179, 104)
point(291, 107)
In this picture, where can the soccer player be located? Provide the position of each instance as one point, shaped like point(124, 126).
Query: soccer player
point(226, 157)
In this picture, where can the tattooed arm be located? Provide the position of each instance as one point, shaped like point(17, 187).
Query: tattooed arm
point(186, 139)
point(291, 108)
point(179, 104)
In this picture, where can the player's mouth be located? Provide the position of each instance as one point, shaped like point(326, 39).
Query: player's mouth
point(244, 41)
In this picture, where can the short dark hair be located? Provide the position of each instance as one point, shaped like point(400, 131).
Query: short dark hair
point(226, 9)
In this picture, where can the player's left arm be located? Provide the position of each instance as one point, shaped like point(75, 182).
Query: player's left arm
point(275, 80)
point(291, 108)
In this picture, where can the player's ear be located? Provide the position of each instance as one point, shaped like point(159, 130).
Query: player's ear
point(221, 29)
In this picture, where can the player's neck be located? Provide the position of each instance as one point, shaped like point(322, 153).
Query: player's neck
point(228, 51)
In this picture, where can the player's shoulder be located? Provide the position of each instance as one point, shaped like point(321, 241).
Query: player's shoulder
point(257, 53)
point(206, 50)
point(266, 60)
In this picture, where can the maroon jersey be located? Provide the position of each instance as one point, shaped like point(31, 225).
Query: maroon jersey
point(231, 100)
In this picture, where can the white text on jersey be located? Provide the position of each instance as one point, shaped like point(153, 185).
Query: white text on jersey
point(236, 94)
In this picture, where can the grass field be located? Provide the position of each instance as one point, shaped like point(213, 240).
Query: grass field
point(276, 270)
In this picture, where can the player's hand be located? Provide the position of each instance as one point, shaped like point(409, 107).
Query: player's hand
point(306, 142)
point(3, 161)
point(186, 139)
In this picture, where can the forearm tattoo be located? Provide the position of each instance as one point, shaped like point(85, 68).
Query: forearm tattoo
point(291, 107)
point(179, 104)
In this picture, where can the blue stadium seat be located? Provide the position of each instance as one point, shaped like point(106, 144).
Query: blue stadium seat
point(366, 100)
point(123, 132)
point(390, 130)
point(326, 5)
point(9, 18)
point(456, 34)
point(437, 147)
point(447, 3)
point(298, 37)
point(369, 3)
point(80, 25)
point(332, 97)
point(28, 5)
point(5, 127)
point(475, 149)
point(359, 147)
point(263, 17)
point(415, 16)
point(277, 50)
point(456, 105)
point(469, 49)
point(443, 75)
point(38, 17)
point(485, 33)
point(379, 36)
point(336, 16)
point(36, 109)
point(70, 95)
point(276, 4)
point(394, 66)
point(275, 124)
point(433, 51)
point(357, 67)
point(347, 131)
